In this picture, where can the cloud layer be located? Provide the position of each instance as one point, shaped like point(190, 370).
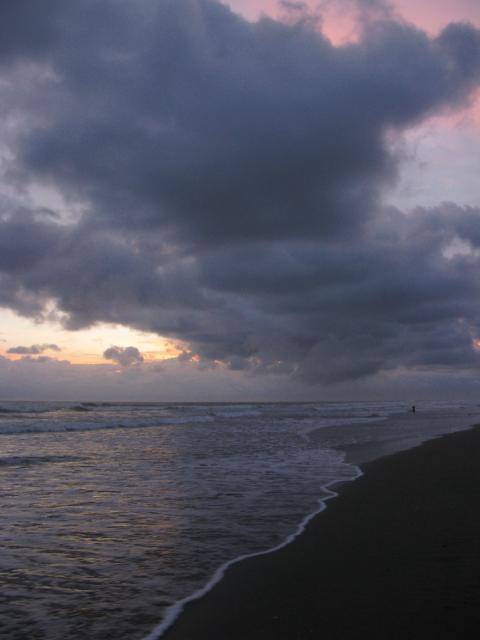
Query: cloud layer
point(34, 349)
point(124, 356)
point(223, 183)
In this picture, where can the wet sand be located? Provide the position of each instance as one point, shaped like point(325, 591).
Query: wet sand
point(395, 555)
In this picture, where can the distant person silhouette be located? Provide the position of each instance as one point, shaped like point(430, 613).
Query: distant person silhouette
point(413, 408)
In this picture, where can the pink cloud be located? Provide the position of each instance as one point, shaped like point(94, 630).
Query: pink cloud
point(340, 22)
point(430, 15)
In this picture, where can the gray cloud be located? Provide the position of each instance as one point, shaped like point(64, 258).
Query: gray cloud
point(40, 359)
point(231, 176)
point(34, 349)
point(124, 356)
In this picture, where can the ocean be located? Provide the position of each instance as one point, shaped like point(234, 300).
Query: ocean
point(113, 514)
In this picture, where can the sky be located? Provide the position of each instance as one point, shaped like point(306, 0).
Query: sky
point(257, 200)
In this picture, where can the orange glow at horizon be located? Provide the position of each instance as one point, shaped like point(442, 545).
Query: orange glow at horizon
point(83, 347)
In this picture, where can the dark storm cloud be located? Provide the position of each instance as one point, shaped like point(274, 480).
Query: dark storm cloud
point(218, 130)
point(393, 297)
point(34, 349)
point(230, 176)
point(125, 356)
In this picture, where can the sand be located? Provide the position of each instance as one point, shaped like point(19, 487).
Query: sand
point(395, 555)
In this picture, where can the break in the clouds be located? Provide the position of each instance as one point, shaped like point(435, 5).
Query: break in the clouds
point(124, 356)
point(34, 349)
point(223, 185)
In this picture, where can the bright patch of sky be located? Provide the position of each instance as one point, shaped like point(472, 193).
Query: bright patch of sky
point(79, 347)
point(442, 163)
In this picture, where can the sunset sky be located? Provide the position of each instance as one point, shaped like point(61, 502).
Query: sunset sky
point(265, 200)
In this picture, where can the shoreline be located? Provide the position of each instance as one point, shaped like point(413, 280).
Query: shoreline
point(176, 610)
point(225, 608)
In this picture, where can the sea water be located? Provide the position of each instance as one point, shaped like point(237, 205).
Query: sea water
point(112, 513)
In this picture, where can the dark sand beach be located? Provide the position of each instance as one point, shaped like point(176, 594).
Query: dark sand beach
point(395, 555)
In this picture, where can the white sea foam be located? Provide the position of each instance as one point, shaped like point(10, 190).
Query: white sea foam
point(173, 612)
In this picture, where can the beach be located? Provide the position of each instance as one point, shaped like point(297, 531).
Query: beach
point(115, 515)
point(395, 555)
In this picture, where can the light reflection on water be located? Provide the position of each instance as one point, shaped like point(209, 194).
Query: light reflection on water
point(77, 534)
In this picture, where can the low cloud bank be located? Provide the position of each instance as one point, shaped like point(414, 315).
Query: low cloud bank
point(34, 349)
